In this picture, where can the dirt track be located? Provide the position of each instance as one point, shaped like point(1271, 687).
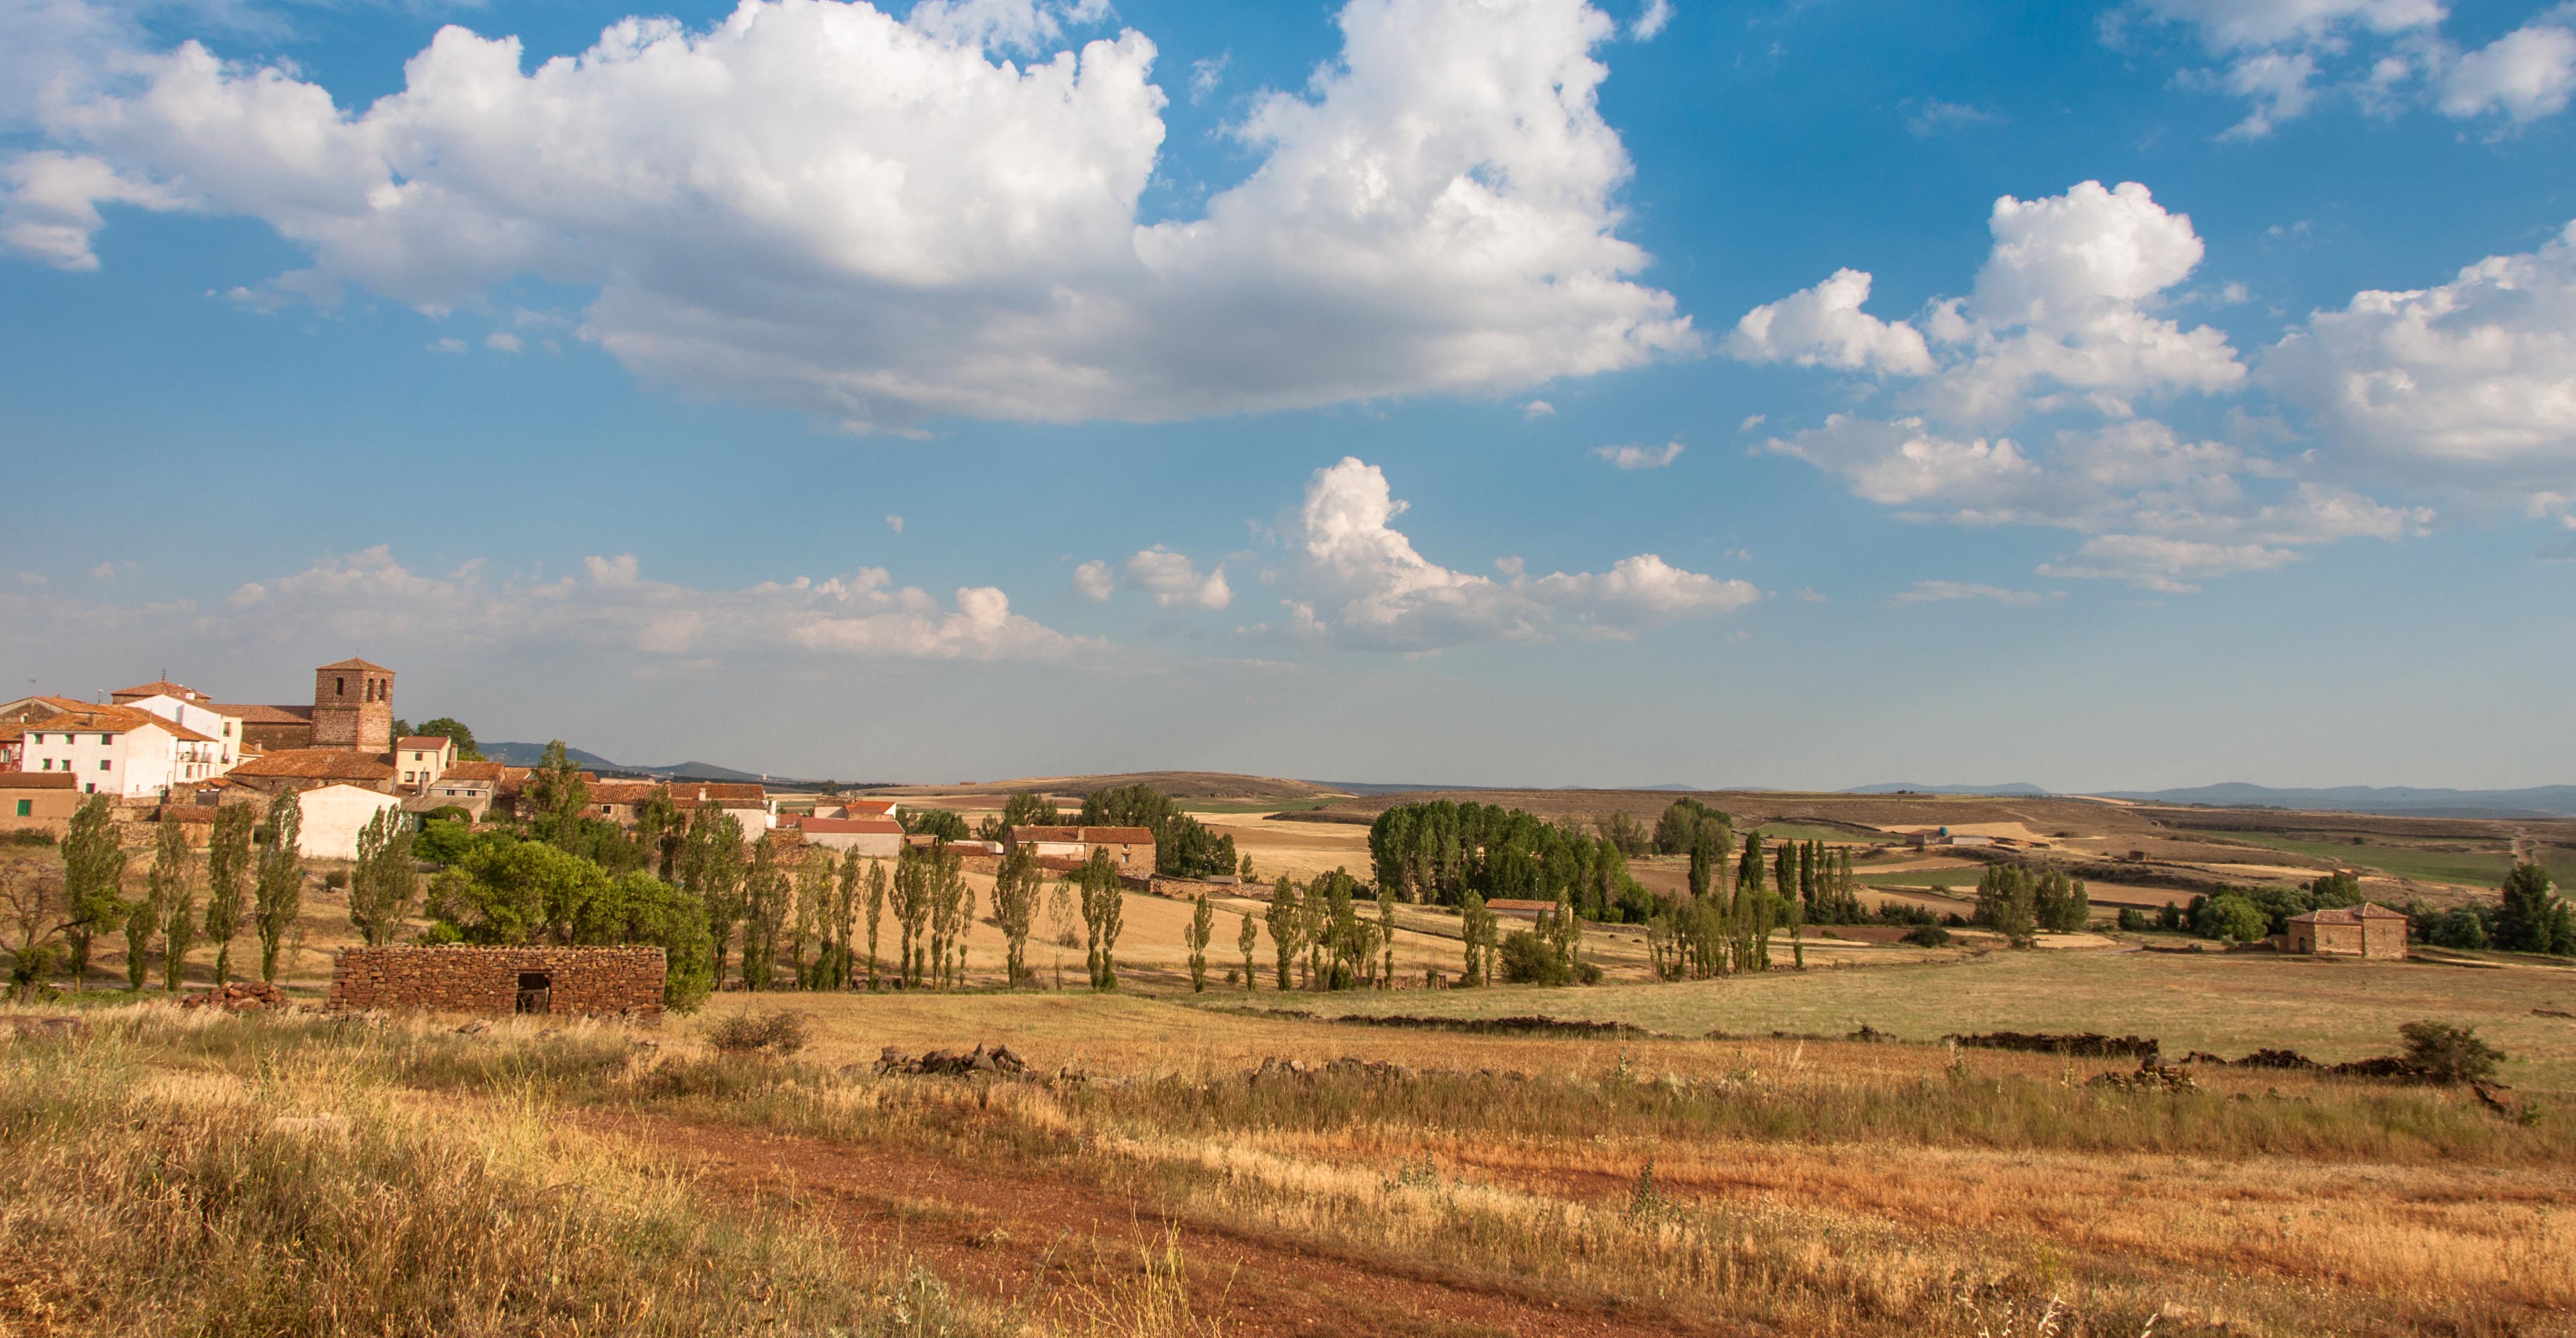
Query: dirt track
point(1012, 1235)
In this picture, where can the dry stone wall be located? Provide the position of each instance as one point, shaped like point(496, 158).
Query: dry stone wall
point(592, 982)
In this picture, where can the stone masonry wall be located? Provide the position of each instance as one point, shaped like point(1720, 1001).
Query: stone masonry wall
point(582, 981)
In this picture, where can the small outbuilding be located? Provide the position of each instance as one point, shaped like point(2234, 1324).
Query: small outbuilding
point(580, 982)
point(2366, 931)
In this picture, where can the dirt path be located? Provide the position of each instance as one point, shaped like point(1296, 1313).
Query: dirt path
point(1010, 1235)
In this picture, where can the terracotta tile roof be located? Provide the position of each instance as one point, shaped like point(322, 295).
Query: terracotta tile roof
point(622, 792)
point(863, 826)
point(115, 719)
point(719, 790)
point(1114, 836)
point(316, 764)
point(161, 687)
point(37, 708)
point(38, 780)
point(2348, 915)
point(879, 807)
point(487, 772)
point(427, 743)
point(353, 662)
point(264, 715)
point(12, 729)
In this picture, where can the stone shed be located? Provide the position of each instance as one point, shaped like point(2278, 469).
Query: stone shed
point(586, 982)
point(2365, 930)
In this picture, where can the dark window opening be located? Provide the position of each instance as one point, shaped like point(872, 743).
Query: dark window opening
point(536, 992)
point(340, 687)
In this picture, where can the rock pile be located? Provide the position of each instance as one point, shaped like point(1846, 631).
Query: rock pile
point(238, 996)
point(1277, 1069)
point(997, 1062)
point(2150, 1077)
point(2086, 1043)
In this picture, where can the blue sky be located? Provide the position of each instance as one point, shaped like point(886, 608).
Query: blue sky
point(1511, 391)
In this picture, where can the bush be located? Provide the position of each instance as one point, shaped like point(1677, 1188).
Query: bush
point(1928, 936)
point(2231, 917)
point(2449, 1054)
point(755, 1033)
point(2135, 921)
point(1905, 913)
point(29, 836)
point(1531, 960)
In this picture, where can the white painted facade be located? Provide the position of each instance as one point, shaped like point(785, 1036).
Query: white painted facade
point(135, 760)
point(225, 730)
point(421, 759)
point(333, 817)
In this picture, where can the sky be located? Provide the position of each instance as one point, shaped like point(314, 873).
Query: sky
point(1799, 394)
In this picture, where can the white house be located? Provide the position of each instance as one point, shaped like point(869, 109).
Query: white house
point(420, 759)
point(120, 750)
point(195, 713)
point(333, 817)
point(879, 838)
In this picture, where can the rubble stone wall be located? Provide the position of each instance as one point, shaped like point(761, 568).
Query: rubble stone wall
point(589, 982)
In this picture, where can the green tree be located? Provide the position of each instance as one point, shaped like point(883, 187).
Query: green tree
point(2060, 903)
point(456, 731)
point(952, 916)
point(768, 895)
point(1623, 831)
point(876, 894)
point(383, 886)
point(713, 862)
point(277, 887)
point(1477, 931)
point(659, 832)
point(1246, 938)
point(943, 823)
point(1202, 929)
point(810, 921)
point(1103, 914)
point(2531, 916)
point(637, 908)
point(228, 868)
point(1183, 846)
point(558, 795)
point(177, 901)
point(2007, 903)
point(1025, 808)
point(1016, 889)
point(145, 915)
point(93, 880)
point(1386, 935)
point(1287, 922)
point(2232, 917)
point(512, 893)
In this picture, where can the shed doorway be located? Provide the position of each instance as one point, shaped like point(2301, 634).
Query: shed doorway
point(536, 992)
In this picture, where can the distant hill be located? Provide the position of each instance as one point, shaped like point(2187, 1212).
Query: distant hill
point(530, 754)
point(2395, 800)
point(2021, 788)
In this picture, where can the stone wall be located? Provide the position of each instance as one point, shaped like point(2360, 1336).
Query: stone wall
point(579, 981)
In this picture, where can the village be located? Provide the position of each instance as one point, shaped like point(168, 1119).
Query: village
point(738, 966)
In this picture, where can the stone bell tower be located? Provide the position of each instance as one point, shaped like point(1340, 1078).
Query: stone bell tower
point(353, 707)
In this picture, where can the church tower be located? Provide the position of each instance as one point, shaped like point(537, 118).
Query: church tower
point(353, 707)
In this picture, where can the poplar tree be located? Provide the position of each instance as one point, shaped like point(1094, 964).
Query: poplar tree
point(1015, 905)
point(1202, 928)
point(1476, 926)
point(876, 914)
point(712, 865)
point(228, 865)
point(143, 914)
point(1246, 938)
point(382, 884)
point(812, 924)
point(93, 880)
point(176, 898)
point(767, 894)
point(1386, 935)
point(1103, 914)
point(1287, 921)
point(911, 910)
point(277, 891)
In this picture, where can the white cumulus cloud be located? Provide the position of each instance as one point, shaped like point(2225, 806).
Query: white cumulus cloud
point(1175, 583)
point(2382, 54)
point(1640, 457)
point(2472, 381)
point(814, 204)
point(1359, 582)
point(1824, 326)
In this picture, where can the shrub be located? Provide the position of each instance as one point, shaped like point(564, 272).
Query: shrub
point(29, 836)
point(756, 1033)
point(1531, 960)
point(1928, 936)
point(2449, 1054)
point(2231, 917)
point(2135, 920)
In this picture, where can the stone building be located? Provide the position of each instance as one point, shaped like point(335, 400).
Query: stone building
point(37, 801)
point(1130, 848)
point(353, 707)
point(588, 982)
point(304, 768)
point(2366, 930)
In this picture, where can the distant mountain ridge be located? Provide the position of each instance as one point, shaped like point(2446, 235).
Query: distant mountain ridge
point(2022, 789)
point(2395, 800)
point(530, 754)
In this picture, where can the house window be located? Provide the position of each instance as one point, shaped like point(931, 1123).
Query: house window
point(91, 788)
point(106, 738)
point(104, 764)
point(339, 687)
point(48, 766)
point(26, 807)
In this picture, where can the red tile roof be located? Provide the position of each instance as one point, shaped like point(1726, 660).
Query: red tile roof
point(38, 780)
point(160, 687)
point(353, 662)
point(718, 790)
point(264, 715)
point(2348, 915)
point(861, 826)
point(115, 719)
point(316, 764)
point(428, 743)
point(1113, 836)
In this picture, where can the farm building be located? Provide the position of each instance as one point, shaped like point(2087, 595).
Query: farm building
point(33, 801)
point(2355, 931)
point(586, 982)
point(333, 815)
point(1130, 848)
point(879, 838)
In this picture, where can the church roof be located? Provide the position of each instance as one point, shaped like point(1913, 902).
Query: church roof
point(353, 662)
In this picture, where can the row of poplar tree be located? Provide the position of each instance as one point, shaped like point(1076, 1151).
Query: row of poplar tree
point(181, 901)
